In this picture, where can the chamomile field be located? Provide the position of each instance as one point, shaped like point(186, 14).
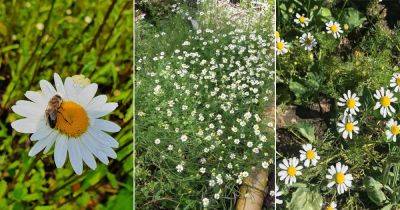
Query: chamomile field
point(81, 52)
point(205, 74)
point(338, 89)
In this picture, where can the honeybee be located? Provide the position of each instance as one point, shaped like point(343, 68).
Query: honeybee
point(52, 110)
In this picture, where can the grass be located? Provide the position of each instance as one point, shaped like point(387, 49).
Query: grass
point(37, 39)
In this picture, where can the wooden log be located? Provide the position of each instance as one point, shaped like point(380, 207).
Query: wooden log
point(253, 191)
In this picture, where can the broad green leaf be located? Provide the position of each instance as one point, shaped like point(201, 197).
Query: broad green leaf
point(305, 199)
point(374, 190)
point(354, 18)
point(306, 130)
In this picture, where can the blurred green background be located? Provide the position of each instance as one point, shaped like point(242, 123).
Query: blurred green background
point(38, 38)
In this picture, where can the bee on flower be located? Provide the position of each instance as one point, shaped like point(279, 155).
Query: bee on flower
point(384, 103)
point(290, 170)
point(347, 127)
point(334, 29)
point(337, 175)
point(301, 20)
point(308, 41)
point(281, 46)
point(351, 102)
point(309, 154)
point(395, 82)
point(68, 115)
point(392, 130)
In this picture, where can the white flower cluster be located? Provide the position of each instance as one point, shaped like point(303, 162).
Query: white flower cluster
point(202, 108)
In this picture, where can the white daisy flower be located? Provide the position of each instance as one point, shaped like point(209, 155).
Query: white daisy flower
point(395, 82)
point(347, 127)
point(334, 29)
point(393, 129)
point(386, 98)
point(331, 206)
point(206, 202)
point(337, 175)
point(281, 47)
point(309, 155)
point(68, 116)
point(301, 20)
point(351, 102)
point(308, 41)
point(276, 194)
point(289, 170)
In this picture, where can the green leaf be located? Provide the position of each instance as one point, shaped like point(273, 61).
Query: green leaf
point(305, 199)
point(3, 188)
point(326, 13)
point(306, 130)
point(297, 88)
point(374, 190)
point(354, 18)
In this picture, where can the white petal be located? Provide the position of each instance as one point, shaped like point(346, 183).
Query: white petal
point(93, 147)
point(87, 94)
point(41, 144)
point(32, 111)
point(87, 155)
point(75, 156)
point(330, 184)
point(59, 85)
point(69, 89)
point(103, 138)
point(41, 133)
point(102, 110)
point(36, 97)
point(25, 125)
point(47, 89)
point(60, 150)
point(106, 125)
point(97, 101)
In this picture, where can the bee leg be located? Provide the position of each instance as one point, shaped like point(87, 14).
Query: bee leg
point(64, 117)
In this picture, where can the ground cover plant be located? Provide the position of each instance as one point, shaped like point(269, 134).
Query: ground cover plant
point(337, 70)
point(205, 75)
point(42, 43)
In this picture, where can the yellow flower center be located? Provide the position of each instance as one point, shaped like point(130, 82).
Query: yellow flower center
point(395, 129)
point(349, 127)
point(329, 208)
point(291, 171)
point(339, 178)
point(334, 28)
point(385, 101)
point(398, 81)
point(351, 103)
point(310, 154)
point(72, 119)
point(302, 19)
point(280, 45)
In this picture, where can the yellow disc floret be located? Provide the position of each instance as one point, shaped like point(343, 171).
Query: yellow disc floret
point(395, 129)
point(310, 154)
point(385, 101)
point(72, 119)
point(291, 171)
point(339, 178)
point(351, 103)
point(280, 45)
point(302, 19)
point(398, 81)
point(334, 28)
point(349, 127)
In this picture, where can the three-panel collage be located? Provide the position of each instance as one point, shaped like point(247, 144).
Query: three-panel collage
point(199, 104)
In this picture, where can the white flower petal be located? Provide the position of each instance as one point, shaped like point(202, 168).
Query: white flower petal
point(60, 150)
point(75, 156)
point(25, 125)
point(87, 94)
point(47, 89)
point(87, 156)
point(106, 125)
point(103, 110)
point(59, 85)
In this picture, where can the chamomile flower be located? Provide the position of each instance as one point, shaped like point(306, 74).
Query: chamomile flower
point(393, 129)
point(331, 206)
point(337, 175)
point(347, 127)
point(77, 130)
point(308, 41)
point(395, 82)
point(334, 29)
point(309, 154)
point(301, 20)
point(281, 47)
point(384, 103)
point(351, 102)
point(290, 170)
point(276, 194)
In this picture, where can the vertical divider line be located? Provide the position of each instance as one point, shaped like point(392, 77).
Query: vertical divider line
point(275, 101)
